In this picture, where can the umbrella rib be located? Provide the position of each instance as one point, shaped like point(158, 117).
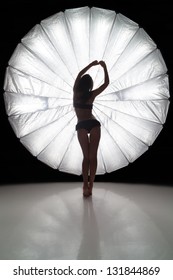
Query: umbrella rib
point(128, 141)
point(66, 21)
point(46, 124)
point(121, 127)
point(42, 110)
point(73, 135)
point(133, 86)
point(112, 139)
point(114, 100)
point(89, 40)
point(115, 17)
point(131, 115)
point(134, 67)
point(35, 55)
point(159, 121)
point(36, 78)
point(55, 49)
point(125, 48)
point(54, 138)
point(38, 96)
point(104, 164)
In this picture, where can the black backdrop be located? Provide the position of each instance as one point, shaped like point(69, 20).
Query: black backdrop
point(17, 17)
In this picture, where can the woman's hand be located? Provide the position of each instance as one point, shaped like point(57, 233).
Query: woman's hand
point(95, 62)
point(82, 72)
point(102, 63)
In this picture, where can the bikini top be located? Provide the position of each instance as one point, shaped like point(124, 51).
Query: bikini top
point(82, 105)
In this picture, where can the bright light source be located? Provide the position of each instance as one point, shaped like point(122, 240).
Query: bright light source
point(40, 76)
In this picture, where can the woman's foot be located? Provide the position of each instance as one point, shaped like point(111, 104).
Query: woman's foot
point(86, 191)
point(90, 188)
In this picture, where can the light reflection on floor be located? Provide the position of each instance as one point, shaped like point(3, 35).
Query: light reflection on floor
point(53, 221)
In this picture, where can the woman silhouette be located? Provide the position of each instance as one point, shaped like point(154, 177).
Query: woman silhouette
point(88, 127)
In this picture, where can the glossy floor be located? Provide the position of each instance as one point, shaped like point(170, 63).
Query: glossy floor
point(53, 221)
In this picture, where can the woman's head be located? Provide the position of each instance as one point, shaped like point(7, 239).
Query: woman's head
point(85, 83)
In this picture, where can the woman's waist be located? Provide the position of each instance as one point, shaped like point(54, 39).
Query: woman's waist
point(86, 118)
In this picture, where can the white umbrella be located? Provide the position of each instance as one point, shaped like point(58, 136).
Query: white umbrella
point(40, 77)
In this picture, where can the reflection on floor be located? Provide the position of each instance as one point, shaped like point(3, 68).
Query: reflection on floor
point(53, 221)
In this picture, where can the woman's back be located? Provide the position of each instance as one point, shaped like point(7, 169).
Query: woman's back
point(83, 109)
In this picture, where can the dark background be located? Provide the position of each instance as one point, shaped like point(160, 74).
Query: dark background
point(17, 17)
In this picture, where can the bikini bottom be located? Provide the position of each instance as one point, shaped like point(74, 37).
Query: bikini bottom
point(87, 124)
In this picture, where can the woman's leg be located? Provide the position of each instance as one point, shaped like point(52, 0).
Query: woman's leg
point(93, 147)
point(84, 143)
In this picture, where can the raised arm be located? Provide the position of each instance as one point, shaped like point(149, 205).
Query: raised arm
point(82, 72)
point(106, 80)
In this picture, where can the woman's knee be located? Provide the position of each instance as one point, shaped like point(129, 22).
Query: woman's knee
point(86, 159)
point(92, 157)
